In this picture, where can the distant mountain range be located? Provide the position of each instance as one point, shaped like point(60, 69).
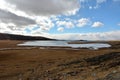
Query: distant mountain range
point(4, 36)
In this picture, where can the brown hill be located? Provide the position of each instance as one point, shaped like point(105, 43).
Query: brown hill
point(4, 36)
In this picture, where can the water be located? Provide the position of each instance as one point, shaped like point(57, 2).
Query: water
point(64, 44)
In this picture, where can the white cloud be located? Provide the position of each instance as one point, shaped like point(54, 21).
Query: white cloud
point(4, 29)
point(97, 24)
point(97, 5)
point(44, 23)
point(90, 7)
point(118, 24)
point(46, 7)
point(12, 9)
point(83, 22)
point(17, 15)
point(35, 12)
point(8, 17)
point(61, 29)
point(10, 28)
point(12, 23)
point(112, 35)
point(65, 24)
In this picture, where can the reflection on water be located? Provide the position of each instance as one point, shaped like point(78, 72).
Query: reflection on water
point(64, 44)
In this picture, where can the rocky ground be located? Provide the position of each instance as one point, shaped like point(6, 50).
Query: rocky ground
point(35, 63)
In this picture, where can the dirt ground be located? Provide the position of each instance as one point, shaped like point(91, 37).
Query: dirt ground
point(36, 63)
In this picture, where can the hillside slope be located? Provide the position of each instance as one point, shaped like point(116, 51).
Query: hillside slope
point(4, 36)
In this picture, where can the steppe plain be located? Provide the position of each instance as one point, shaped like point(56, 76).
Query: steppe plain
point(45, 63)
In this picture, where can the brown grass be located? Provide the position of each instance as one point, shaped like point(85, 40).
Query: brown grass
point(54, 64)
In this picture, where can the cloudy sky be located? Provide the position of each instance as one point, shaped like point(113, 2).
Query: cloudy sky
point(62, 19)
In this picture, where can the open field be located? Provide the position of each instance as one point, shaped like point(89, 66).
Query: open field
point(34, 63)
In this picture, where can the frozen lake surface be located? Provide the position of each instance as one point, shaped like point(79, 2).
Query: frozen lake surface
point(64, 44)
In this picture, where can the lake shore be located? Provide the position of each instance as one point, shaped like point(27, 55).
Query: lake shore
point(35, 63)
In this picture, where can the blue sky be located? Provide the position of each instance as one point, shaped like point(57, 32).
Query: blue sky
point(54, 18)
point(107, 13)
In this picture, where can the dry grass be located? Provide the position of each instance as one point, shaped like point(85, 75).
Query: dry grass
point(54, 64)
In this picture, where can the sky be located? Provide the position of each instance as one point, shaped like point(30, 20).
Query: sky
point(62, 19)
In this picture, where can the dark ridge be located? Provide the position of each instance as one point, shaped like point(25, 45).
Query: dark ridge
point(102, 58)
point(103, 62)
point(4, 36)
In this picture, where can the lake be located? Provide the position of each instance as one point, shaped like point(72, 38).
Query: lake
point(64, 44)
